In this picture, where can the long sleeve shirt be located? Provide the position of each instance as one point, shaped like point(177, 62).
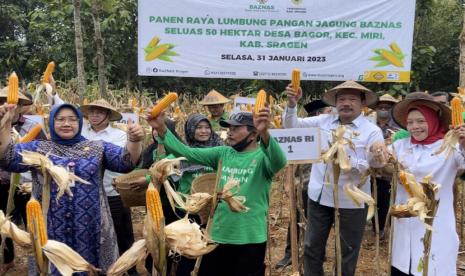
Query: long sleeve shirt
point(254, 170)
point(320, 187)
point(110, 135)
point(421, 161)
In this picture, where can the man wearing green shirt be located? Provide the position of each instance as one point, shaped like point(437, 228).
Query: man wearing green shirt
point(251, 158)
point(215, 102)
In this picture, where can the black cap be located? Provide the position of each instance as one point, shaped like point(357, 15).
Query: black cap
point(313, 106)
point(238, 119)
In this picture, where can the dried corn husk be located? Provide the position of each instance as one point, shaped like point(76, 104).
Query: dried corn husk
point(25, 188)
point(449, 143)
point(130, 258)
point(196, 202)
point(186, 238)
point(10, 230)
point(164, 168)
point(359, 197)
point(337, 153)
point(420, 202)
point(62, 176)
point(229, 194)
point(66, 260)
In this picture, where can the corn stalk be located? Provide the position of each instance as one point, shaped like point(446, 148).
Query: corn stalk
point(337, 223)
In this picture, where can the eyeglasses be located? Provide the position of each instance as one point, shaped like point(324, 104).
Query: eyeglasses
point(72, 120)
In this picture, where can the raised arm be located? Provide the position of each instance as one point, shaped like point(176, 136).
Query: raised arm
point(203, 156)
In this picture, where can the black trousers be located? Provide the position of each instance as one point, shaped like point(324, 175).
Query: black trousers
point(18, 214)
point(123, 224)
point(384, 196)
point(320, 221)
point(235, 260)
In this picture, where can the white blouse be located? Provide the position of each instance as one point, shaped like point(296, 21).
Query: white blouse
point(408, 232)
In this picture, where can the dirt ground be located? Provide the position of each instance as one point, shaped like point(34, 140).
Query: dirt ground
point(279, 219)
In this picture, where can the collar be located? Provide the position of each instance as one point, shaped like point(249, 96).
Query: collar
point(357, 122)
point(107, 129)
point(429, 146)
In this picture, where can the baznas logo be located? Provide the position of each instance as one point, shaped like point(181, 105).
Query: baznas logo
point(262, 1)
point(296, 2)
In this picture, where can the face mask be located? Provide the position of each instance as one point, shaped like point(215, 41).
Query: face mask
point(242, 144)
point(383, 114)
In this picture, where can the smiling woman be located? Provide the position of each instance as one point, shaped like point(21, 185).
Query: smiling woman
point(80, 219)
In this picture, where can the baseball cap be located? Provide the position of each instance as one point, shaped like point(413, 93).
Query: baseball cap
point(238, 119)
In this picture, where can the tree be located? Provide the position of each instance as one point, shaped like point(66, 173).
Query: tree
point(79, 49)
point(102, 80)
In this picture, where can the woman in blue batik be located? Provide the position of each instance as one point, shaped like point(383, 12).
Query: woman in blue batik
point(83, 220)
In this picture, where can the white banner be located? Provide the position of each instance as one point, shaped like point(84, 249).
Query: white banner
point(364, 40)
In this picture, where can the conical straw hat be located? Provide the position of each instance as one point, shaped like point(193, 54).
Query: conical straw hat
point(114, 116)
point(214, 97)
point(330, 96)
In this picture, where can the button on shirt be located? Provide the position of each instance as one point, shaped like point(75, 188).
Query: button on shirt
point(111, 135)
point(320, 187)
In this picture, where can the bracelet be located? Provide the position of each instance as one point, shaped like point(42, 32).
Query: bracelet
point(148, 178)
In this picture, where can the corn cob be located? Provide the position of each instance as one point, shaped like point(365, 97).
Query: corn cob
point(157, 52)
point(457, 110)
point(404, 182)
point(164, 103)
point(13, 89)
point(32, 134)
point(260, 101)
point(34, 214)
point(391, 57)
point(296, 79)
point(154, 41)
point(154, 208)
point(395, 48)
point(48, 72)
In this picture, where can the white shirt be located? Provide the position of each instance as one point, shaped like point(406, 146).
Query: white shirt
point(320, 187)
point(408, 232)
point(111, 135)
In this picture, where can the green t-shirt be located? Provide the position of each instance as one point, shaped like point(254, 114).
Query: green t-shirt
point(254, 170)
point(216, 123)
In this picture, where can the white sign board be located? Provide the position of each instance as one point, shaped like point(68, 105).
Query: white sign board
point(238, 101)
point(364, 40)
point(299, 144)
point(126, 116)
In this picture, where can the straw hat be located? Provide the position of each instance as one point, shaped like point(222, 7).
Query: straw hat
point(388, 99)
point(385, 98)
point(129, 197)
point(400, 109)
point(114, 115)
point(330, 96)
point(23, 100)
point(204, 184)
point(214, 97)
